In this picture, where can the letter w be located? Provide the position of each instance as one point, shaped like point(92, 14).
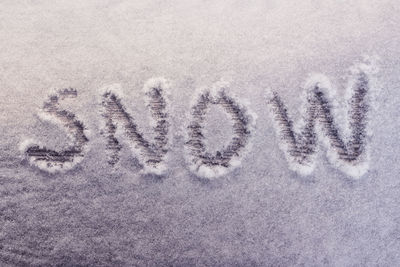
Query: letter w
point(347, 149)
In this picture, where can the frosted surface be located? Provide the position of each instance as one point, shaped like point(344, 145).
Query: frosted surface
point(165, 201)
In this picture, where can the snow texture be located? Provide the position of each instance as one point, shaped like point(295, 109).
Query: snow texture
point(347, 150)
point(201, 161)
point(116, 167)
point(115, 114)
point(51, 160)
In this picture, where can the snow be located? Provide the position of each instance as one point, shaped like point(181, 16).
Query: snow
point(253, 210)
point(355, 168)
point(197, 152)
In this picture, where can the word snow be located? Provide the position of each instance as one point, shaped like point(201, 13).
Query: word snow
point(342, 128)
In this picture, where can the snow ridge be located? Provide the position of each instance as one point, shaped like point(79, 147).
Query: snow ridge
point(347, 148)
point(54, 161)
point(115, 114)
point(202, 162)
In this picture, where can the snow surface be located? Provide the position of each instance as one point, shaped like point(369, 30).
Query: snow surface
point(256, 213)
point(323, 118)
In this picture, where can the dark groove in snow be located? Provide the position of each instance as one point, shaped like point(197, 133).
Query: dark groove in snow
point(303, 145)
point(241, 129)
point(52, 160)
point(116, 115)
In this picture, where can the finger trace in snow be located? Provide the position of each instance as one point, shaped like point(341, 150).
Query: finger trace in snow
point(51, 160)
point(151, 154)
point(348, 147)
point(203, 163)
